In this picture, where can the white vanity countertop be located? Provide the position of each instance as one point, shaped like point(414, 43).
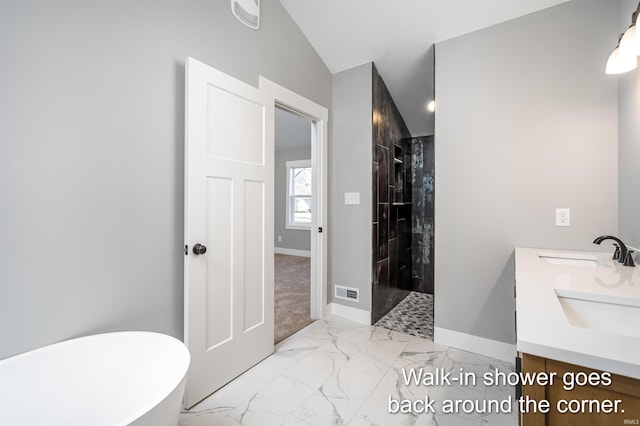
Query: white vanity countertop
point(542, 326)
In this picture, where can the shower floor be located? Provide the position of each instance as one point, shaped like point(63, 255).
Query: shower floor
point(414, 316)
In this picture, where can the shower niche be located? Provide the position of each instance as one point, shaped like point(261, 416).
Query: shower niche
point(398, 171)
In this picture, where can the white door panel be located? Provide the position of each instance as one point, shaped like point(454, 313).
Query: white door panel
point(228, 115)
point(228, 209)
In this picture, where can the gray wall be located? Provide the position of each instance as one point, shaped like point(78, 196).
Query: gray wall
point(91, 153)
point(629, 140)
point(526, 122)
point(296, 239)
point(350, 170)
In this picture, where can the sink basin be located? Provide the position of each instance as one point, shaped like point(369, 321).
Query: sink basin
point(569, 259)
point(619, 317)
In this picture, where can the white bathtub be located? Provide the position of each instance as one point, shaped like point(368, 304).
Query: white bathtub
point(108, 379)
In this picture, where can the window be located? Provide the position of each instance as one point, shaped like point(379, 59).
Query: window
point(299, 194)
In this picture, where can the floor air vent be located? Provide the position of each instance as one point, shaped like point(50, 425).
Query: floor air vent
point(346, 293)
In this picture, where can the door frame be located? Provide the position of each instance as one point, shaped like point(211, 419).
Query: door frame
point(288, 100)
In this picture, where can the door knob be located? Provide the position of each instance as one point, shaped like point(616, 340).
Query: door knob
point(199, 249)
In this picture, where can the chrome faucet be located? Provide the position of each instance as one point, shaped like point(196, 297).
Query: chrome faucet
point(622, 253)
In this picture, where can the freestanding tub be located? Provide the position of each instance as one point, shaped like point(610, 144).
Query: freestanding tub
point(126, 378)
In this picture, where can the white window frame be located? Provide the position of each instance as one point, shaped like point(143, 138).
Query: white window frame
point(290, 224)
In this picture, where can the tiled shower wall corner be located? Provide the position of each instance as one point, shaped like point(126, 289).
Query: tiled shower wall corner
point(392, 217)
point(422, 179)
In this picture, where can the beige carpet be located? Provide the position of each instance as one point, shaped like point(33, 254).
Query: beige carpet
point(292, 295)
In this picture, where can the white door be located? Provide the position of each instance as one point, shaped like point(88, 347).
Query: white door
point(229, 210)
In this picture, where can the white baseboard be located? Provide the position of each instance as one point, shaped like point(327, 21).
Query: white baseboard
point(480, 345)
point(354, 314)
point(292, 252)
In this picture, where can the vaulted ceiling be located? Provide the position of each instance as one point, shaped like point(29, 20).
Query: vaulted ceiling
point(398, 36)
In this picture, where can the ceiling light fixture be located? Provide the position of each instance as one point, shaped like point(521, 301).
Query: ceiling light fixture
point(624, 57)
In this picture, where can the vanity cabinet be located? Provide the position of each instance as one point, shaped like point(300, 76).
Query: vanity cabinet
point(621, 388)
point(578, 319)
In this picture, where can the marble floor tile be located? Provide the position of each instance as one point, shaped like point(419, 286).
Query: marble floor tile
point(337, 372)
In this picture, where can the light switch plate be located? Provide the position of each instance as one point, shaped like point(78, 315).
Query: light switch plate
point(351, 198)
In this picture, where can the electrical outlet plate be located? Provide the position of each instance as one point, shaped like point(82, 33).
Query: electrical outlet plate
point(563, 217)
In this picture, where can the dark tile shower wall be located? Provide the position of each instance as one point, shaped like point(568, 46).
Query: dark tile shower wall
point(422, 179)
point(392, 212)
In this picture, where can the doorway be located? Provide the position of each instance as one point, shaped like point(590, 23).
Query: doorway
point(293, 213)
point(318, 117)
